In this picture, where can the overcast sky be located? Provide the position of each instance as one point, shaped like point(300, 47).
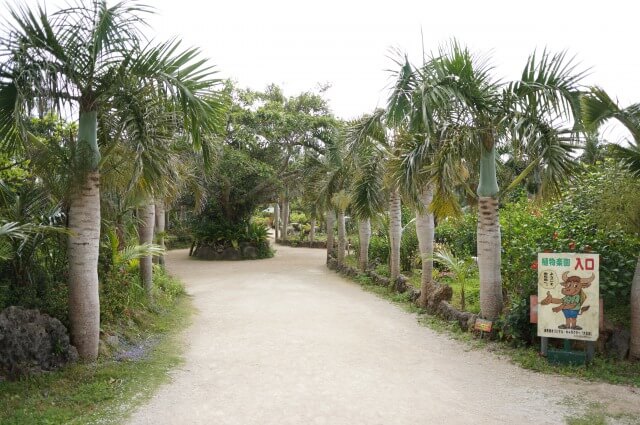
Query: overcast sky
point(298, 44)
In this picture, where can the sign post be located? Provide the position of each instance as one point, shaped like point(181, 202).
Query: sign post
point(569, 302)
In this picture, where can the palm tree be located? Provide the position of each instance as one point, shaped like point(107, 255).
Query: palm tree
point(367, 198)
point(524, 113)
point(86, 58)
point(461, 270)
point(598, 107)
point(341, 202)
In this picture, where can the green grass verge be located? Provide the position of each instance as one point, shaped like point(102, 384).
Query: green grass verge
point(104, 392)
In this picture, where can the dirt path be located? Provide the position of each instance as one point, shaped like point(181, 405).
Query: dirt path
point(286, 341)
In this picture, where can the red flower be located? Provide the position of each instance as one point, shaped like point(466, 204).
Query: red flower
point(572, 245)
point(534, 265)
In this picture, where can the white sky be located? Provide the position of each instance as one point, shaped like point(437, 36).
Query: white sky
point(298, 44)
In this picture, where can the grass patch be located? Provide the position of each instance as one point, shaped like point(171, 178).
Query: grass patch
point(107, 391)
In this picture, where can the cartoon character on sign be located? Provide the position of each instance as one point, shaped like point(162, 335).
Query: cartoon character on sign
point(573, 301)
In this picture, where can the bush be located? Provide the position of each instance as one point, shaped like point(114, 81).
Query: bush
point(459, 234)
point(298, 217)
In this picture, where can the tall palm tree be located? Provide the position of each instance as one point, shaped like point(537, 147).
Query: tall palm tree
point(367, 198)
point(370, 136)
point(531, 113)
point(341, 202)
point(85, 58)
point(598, 107)
point(430, 115)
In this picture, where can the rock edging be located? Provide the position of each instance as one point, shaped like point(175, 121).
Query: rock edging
point(438, 298)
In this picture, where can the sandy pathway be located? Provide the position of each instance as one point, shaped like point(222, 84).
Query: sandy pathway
point(286, 341)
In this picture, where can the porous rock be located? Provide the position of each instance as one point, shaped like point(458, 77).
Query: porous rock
point(618, 344)
point(32, 342)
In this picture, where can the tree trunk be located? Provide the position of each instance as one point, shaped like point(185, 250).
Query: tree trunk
point(83, 248)
point(276, 220)
point(160, 226)
point(364, 233)
point(489, 258)
point(285, 218)
point(342, 237)
point(146, 217)
point(634, 348)
point(489, 245)
point(395, 233)
point(331, 221)
point(312, 231)
point(425, 233)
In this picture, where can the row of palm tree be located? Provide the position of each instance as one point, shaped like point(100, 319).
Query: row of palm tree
point(132, 98)
point(447, 126)
point(439, 136)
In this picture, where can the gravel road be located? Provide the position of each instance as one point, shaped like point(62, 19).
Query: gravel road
point(286, 341)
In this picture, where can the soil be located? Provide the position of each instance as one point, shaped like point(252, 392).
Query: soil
point(287, 341)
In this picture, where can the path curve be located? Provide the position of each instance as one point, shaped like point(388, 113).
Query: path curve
point(286, 341)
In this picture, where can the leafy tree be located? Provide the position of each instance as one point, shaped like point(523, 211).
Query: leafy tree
point(236, 186)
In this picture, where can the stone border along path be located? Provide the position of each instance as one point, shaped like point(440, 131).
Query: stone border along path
point(287, 341)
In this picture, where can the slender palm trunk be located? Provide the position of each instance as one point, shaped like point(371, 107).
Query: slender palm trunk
point(342, 237)
point(160, 226)
point(425, 232)
point(489, 237)
point(276, 220)
point(285, 218)
point(146, 217)
point(364, 233)
point(331, 221)
point(312, 231)
point(634, 349)
point(83, 248)
point(395, 233)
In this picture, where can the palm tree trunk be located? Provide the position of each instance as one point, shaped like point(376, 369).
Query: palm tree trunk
point(331, 221)
point(146, 217)
point(425, 232)
point(285, 218)
point(160, 226)
point(489, 238)
point(634, 348)
point(276, 219)
point(312, 231)
point(342, 237)
point(83, 249)
point(395, 233)
point(364, 232)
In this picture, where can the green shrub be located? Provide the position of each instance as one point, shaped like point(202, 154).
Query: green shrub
point(298, 217)
point(409, 252)
point(459, 234)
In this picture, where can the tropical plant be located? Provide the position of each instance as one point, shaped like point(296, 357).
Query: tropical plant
point(524, 115)
point(461, 270)
point(598, 108)
point(341, 202)
point(93, 59)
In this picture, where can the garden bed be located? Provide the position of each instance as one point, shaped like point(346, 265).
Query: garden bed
point(303, 244)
